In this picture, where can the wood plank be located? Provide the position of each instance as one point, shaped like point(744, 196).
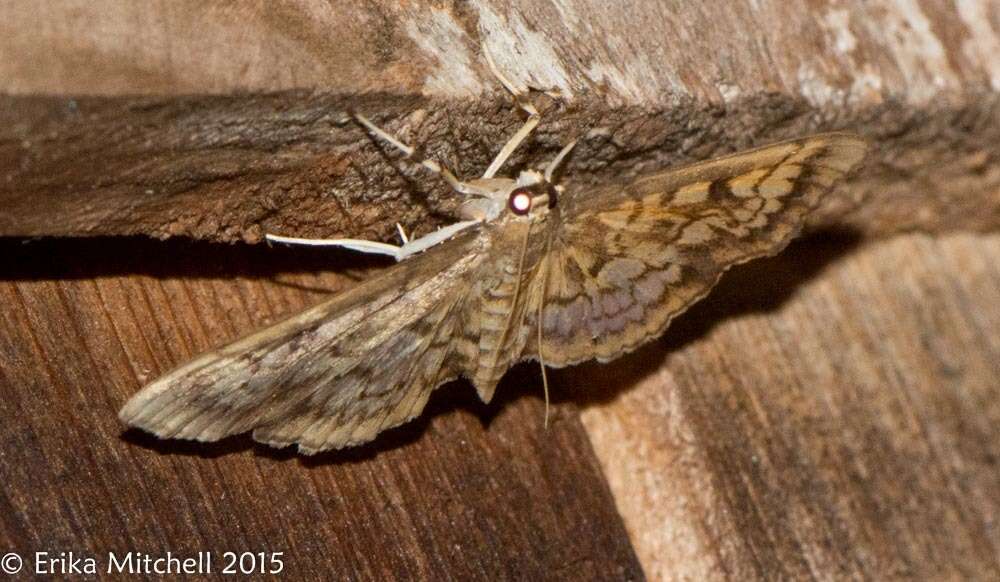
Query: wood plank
point(828, 414)
point(831, 413)
point(465, 492)
point(83, 155)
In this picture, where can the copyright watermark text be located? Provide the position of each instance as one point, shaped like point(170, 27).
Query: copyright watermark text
point(70, 563)
point(11, 563)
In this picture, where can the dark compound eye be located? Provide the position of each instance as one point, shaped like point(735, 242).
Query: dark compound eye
point(553, 195)
point(520, 201)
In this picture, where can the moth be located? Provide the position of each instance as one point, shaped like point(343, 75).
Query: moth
point(532, 271)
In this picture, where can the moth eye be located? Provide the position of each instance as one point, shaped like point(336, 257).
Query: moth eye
point(553, 195)
point(520, 202)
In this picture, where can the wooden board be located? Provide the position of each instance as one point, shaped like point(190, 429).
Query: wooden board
point(467, 491)
point(828, 414)
point(832, 413)
point(219, 121)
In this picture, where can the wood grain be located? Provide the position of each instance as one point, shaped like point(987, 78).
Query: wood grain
point(465, 492)
point(832, 413)
point(829, 414)
point(100, 133)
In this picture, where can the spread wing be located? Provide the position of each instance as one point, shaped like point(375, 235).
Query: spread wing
point(624, 261)
point(335, 375)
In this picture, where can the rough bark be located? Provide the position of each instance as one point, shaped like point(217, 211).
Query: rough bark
point(689, 83)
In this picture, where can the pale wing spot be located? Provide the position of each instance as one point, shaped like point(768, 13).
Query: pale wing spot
point(781, 231)
point(615, 301)
point(641, 225)
point(615, 220)
point(743, 215)
point(696, 233)
point(673, 274)
point(653, 253)
point(649, 288)
point(843, 160)
point(807, 151)
point(772, 205)
point(618, 322)
point(695, 193)
point(561, 319)
point(743, 185)
point(721, 223)
point(779, 183)
point(823, 176)
point(753, 204)
point(759, 221)
point(620, 272)
point(653, 200)
point(619, 218)
point(786, 172)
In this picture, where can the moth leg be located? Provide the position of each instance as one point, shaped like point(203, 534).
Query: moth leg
point(520, 95)
point(414, 246)
point(432, 165)
point(521, 99)
point(512, 144)
point(554, 164)
point(410, 246)
point(402, 233)
point(364, 246)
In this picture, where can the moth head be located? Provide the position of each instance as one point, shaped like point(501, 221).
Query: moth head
point(523, 201)
point(532, 194)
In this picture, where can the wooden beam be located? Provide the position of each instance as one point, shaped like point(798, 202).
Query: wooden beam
point(829, 413)
point(468, 490)
point(660, 88)
point(833, 412)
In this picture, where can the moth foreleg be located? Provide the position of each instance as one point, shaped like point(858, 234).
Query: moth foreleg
point(521, 99)
point(437, 237)
point(371, 247)
point(554, 164)
point(354, 244)
point(432, 165)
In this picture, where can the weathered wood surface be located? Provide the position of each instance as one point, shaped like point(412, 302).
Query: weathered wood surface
point(465, 492)
point(827, 414)
point(831, 413)
point(653, 86)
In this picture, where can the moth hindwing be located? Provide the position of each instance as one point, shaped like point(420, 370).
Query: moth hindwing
point(531, 271)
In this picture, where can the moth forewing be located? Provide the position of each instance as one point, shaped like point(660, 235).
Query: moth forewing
point(629, 258)
point(334, 375)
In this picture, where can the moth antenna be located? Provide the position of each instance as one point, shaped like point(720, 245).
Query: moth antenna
point(520, 97)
